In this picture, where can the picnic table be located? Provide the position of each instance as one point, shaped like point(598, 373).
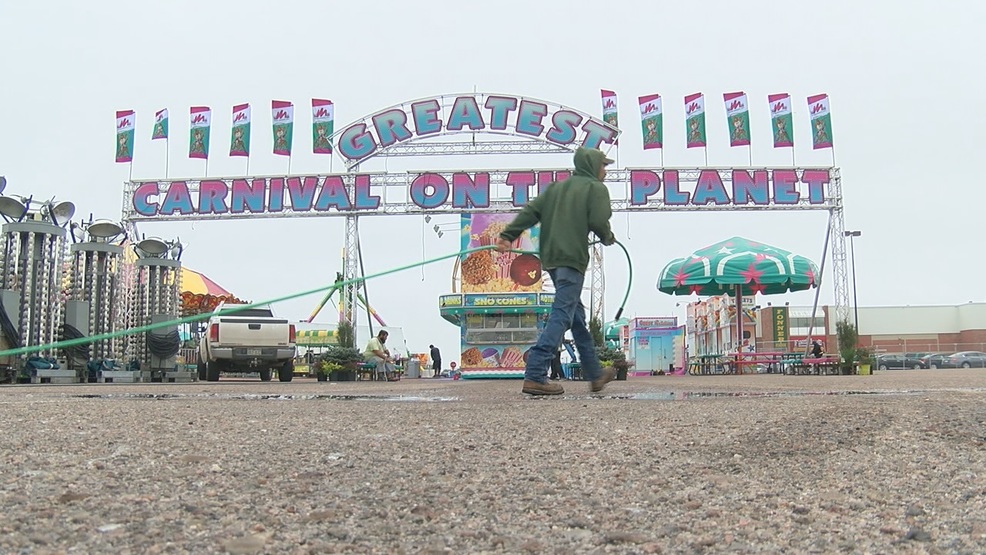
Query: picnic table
point(741, 363)
point(818, 366)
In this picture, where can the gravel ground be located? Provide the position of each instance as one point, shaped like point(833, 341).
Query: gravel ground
point(891, 463)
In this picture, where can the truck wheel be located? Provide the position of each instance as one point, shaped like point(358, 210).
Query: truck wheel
point(265, 374)
point(201, 368)
point(286, 371)
point(211, 372)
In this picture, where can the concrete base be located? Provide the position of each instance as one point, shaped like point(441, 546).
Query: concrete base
point(180, 376)
point(55, 376)
point(119, 376)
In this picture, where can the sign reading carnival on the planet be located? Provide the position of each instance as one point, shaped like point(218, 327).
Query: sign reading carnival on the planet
point(367, 193)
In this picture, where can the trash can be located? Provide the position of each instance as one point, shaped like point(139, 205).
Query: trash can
point(413, 368)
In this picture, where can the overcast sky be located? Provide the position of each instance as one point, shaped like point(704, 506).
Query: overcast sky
point(904, 79)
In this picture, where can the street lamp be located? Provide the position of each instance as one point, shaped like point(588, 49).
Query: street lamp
point(852, 254)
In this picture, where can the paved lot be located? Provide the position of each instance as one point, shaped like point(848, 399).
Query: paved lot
point(894, 462)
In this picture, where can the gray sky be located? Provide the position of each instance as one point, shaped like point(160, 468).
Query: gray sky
point(903, 77)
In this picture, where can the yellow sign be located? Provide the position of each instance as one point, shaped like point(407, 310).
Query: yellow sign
point(780, 324)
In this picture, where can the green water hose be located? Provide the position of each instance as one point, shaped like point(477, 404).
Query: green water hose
point(629, 281)
point(237, 308)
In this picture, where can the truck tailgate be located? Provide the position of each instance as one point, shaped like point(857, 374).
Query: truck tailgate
point(253, 331)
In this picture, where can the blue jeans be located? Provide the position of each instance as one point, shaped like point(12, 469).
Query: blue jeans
point(567, 312)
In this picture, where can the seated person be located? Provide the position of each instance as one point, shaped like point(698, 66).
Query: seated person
point(816, 349)
point(376, 353)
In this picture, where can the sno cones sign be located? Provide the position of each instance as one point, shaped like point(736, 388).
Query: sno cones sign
point(738, 118)
point(282, 114)
point(239, 142)
point(160, 125)
point(652, 121)
point(609, 108)
point(695, 120)
point(781, 120)
point(323, 122)
point(821, 121)
point(200, 121)
point(125, 136)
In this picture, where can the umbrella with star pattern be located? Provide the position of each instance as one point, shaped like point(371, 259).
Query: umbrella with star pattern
point(738, 263)
point(738, 267)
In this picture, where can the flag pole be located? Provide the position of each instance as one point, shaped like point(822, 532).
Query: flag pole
point(289, 164)
point(206, 166)
point(248, 166)
point(749, 149)
point(167, 157)
point(706, 149)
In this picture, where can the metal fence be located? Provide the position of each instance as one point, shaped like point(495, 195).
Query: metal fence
point(830, 345)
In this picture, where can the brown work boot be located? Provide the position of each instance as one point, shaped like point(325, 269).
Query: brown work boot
point(599, 383)
point(538, 388)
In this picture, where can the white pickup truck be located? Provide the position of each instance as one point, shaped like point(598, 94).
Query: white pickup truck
point(250, 340)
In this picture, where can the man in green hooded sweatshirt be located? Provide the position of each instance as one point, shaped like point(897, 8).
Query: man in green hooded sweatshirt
point(567, 211)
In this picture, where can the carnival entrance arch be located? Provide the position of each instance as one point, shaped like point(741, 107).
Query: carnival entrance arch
point(484, 123)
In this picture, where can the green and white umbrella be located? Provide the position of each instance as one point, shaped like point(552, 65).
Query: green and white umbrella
point(738, 267)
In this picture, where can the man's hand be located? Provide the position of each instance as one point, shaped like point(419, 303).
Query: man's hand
point(609, 240)
point(502, 245)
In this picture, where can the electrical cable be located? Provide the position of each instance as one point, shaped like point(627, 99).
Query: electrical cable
point(164, 345)
point(10, 333)
point(78, 351)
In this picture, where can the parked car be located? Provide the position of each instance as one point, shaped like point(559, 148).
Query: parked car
point(897, 361)
point(934, 360)
point(965, 359)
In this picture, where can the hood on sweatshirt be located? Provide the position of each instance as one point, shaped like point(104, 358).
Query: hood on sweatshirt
point(589, 160)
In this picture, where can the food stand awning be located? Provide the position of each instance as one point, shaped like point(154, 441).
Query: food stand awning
point(315, 338)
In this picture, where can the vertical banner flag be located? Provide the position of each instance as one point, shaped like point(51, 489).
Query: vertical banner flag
point(323, 122)
point(160, 125)
point(239, 142)
point(282, 114)
point(652, 121)
point(781, 121)
point(200, 121)
point(609, 108)
point(738, 118)
point(821, 121)
point(125, 136)
point(695, 120)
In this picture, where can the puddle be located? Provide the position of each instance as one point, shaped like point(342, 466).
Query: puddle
point(662, 395)
point(271, 397)
point(684, 395)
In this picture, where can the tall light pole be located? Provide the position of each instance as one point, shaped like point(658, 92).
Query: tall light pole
point(852, 255)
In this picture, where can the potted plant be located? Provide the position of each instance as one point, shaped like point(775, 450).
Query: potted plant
point(616, 358)
point(324, 369)
point(848, 340)
point(346, 360)
point(864, 357)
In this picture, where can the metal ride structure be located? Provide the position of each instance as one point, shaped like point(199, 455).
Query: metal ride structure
point(95, 305)
point(31, 255)
point(155, 299)
point(485, 124)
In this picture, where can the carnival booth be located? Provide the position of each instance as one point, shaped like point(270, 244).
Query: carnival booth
point(496, 330)
point(501, 307)
point(656, 344)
